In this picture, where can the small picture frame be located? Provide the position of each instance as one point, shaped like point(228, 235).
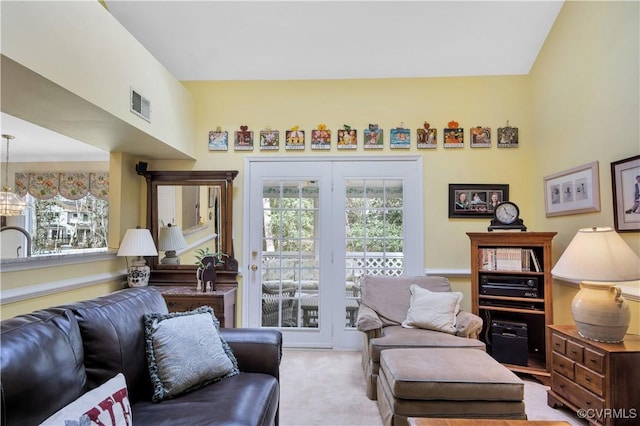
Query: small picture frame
point(453, 137)
point(480, 137)
point(373, 137)
point(625, 182)
point(321, 139)
point(269, 140)
point(243, 140)
point(508, 137)
point(294, 140)
point(218, 140)
point(400, 138)
point(347, 138)
point(476, 200)
point(572, 191)
point(427, 138)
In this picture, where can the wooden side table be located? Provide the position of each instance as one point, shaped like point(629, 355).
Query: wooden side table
point(597, 380)
point(186, 298)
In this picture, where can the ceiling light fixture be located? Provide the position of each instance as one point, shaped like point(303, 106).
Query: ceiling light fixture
point(10, 203)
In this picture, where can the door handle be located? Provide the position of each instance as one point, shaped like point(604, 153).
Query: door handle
point(254, 267)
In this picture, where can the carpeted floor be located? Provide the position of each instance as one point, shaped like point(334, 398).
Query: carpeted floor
point(324, 387)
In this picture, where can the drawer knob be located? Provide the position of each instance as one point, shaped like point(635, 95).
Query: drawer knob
point(588, 379)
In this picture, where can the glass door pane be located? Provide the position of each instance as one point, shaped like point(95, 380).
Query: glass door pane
point(290, 257)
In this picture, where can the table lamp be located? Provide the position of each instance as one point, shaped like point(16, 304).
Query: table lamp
point(599, 257)
point(170, 240)
point(138, 242)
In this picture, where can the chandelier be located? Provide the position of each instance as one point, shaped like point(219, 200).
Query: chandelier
point(10, 203)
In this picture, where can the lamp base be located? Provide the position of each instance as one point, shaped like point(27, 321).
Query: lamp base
point(138, 273)
point(600, 312)
point(170, 258)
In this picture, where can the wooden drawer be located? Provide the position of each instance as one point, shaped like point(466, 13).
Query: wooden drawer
point(563, 365)
point(594, 360)
point(575, 351)
point(558, 343)
point(575, 394)
point(590, 380)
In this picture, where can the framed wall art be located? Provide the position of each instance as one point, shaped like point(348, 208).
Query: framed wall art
point(294, 139)
point(243, 139)
point(625, 182)
point(475, 200)
point(480, 137)
point(427, 137)
point(572, 191)
point(321, 137)
point(218, 140)
point(269, 140)
point(373, 137)
point(400, 137)
point(508, 137)
point(347, 138)
point(453, 136)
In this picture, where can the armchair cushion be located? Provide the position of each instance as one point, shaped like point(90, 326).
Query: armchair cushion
point(433, 310)
point(367, 319)
point(390, 297)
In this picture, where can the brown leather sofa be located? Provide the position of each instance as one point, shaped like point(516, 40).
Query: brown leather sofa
point(51, 357)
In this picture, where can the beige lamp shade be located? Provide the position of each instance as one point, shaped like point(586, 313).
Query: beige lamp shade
point(138, 242)
point(598, 254)
point(598, 257)
point(170, 240)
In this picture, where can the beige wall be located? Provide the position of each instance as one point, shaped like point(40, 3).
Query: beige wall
point(578, 105)
point(585, 106)
point(99, 62)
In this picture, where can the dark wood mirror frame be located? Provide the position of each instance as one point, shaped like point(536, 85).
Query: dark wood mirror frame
point(185, 274)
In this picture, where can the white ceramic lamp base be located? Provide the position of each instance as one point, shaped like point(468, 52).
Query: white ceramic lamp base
point(600, 312)
point(138, 273)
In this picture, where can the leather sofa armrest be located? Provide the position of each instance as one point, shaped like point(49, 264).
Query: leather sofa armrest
point(257, 350)
point(468, 325)
point(368, 319)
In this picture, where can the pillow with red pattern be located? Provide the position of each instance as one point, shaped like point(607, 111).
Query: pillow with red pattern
point(107, 405)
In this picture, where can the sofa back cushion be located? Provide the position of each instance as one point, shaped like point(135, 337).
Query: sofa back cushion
point(112, 329)
point(390, 297)
point(42, 366)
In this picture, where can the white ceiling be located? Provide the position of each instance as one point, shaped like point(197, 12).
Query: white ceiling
point(297, 40)
point(293, 40)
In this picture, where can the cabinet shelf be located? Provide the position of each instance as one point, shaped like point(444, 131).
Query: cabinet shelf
point(532, 314)
point(505, 309)
point(516, 299)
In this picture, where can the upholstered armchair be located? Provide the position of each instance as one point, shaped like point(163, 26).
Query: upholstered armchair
point(385, 304)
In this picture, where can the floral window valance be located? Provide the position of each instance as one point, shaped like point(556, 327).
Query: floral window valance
point(72, 186)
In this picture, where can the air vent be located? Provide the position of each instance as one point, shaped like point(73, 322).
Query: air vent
point(140, 105)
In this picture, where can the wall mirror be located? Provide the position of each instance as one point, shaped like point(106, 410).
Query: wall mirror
point(199, 202)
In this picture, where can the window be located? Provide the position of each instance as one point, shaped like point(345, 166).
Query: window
point(58, 224)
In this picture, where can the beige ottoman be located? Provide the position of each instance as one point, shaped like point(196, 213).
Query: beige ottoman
point(446, 382)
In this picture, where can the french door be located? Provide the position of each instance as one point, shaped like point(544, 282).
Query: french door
point(314, 229)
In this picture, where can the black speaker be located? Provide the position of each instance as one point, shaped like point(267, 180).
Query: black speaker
point(509, 342)
point(141, 168)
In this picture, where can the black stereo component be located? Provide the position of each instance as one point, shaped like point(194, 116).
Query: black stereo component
point(509, 342)
point(511, 286)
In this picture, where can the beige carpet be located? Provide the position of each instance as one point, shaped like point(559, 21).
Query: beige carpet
point(324, 387)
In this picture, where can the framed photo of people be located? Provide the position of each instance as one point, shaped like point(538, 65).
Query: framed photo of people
point(475, 200)
point(625, 180)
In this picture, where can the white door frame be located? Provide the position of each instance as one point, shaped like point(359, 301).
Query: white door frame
point(246, 260)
